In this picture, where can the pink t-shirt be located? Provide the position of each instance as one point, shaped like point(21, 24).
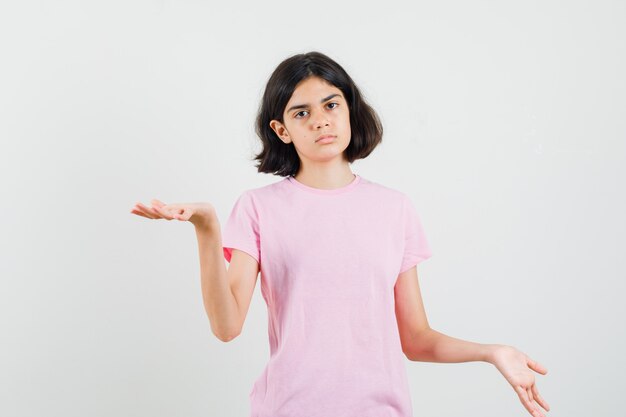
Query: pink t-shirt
point(329, 260)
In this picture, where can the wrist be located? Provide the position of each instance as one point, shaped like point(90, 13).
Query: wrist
point(491, 350)
point(204, 221)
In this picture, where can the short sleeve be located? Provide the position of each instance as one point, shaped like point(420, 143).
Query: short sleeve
point(416, 246)
point(241, 230)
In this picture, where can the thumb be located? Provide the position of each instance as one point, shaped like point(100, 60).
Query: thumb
point(157, 202)
point(537, 367)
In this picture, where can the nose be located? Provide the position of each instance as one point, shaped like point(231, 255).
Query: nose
point(321, 121)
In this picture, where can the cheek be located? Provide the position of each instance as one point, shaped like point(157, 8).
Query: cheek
point(346, 126)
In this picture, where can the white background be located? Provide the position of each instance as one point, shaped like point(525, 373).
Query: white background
point(504, 121)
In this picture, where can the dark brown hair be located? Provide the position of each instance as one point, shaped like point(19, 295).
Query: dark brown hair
point(281, 158)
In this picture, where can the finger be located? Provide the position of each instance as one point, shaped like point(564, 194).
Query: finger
point(148, 215)
point(528, 405)
point(147, 211)
point(143, 206)
point(539, 398)
point(166, 214)
point(531, 397)
point(537, 367)
point(157, 202)
point(139, 213)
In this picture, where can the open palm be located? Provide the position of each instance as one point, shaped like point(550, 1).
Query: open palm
point(518, 369)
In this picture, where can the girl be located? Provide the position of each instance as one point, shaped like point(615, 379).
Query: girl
point(337, 255)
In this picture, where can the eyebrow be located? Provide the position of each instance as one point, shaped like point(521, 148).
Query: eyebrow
point(304, 106)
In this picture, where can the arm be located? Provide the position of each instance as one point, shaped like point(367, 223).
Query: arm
point(434, 346)
point(421, 343)
point(226, 293)
point(219, 302)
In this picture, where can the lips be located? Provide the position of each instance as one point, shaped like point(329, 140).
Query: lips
point(324, 137)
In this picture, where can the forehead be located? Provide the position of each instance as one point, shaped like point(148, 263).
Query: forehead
point(312, 87)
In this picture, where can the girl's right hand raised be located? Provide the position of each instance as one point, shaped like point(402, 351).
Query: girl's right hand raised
point(199, 214)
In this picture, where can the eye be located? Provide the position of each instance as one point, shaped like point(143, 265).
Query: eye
point(303, 111)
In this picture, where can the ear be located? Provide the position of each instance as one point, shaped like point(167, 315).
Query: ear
point(280, 131)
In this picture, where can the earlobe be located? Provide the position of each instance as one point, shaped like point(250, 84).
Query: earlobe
point(285, 138)
point(280, 131)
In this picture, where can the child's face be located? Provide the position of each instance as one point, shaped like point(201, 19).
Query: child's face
point(319, 115)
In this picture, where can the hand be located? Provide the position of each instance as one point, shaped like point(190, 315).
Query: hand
point(517, 368)
point(199, 214)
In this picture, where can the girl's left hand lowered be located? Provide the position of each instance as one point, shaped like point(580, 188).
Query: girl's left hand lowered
point(518, 369)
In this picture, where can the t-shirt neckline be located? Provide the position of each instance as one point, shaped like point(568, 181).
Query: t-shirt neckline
point(340, 190)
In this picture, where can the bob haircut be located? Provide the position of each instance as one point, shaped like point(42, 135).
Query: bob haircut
point(281, 158)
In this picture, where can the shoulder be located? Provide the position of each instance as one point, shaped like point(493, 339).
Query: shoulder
point(383, 191)
point(265, 194)
point(267, 188)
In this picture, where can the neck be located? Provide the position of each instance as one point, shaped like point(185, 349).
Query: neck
point(326, 178)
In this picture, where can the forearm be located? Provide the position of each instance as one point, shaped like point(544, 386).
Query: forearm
point(220, 303)
point(433, 346)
